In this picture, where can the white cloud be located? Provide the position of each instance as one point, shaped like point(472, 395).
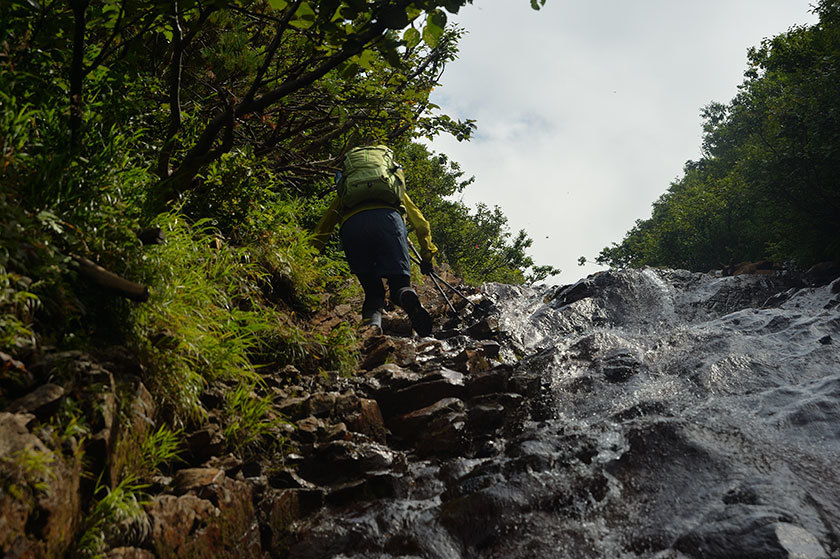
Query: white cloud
point(588, 110)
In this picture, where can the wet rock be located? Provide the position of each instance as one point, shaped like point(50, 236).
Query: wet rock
point(340, 461)
point(408, 426)
point(307, 429)
point(321, 404)
point(40, 505)
point(573, 453)
point(379, 353)
point(492, 411)
point(392, 377)
point(449, 332)
point(436, 386)
point(367, 420)
point(42, 401)
point(288, 479)
point(569, 294)
point(334, 432)
point(478, 519)
point(190, 479)
point(129, 553)
point(751, 537)
point(382, 349)
point(280, 509)
point(205, 443)
point(396, 324)
point(484, 329)
point(488, 382)
point(377, 486)
point(293, 408)
point(438, 429)
point(527, 384)
point(473, 360)
point(619, 364)
point(219, 522)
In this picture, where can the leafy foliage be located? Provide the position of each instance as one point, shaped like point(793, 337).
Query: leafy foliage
point(222, 124)
point(767, 185)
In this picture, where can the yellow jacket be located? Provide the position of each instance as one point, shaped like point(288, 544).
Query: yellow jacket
point(408, 209)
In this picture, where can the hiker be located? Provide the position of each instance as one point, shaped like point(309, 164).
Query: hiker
point(371, 206)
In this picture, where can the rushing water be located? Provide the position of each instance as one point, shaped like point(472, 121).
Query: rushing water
point(674, 415)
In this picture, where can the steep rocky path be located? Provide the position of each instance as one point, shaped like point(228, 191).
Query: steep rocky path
point(634, 414)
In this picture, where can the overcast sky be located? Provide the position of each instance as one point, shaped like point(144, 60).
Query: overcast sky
point(588, 110)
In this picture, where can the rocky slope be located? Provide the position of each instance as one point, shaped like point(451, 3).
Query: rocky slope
point(634, 414)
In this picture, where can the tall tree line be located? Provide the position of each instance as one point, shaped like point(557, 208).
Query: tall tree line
point(768, 183)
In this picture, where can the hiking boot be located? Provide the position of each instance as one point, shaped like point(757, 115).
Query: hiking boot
point(420, 318)
point(372, 321)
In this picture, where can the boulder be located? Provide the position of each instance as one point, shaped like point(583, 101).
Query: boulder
point(279, 509)
point(41, 402)
point(377, 486)
point(436, 386)
point(204, 443)
point(209, 521)
point(438, 429)
point(40, 507)
point(367, 420)
point(190, 479)
point(341, 461)
point(488, 382)
point(410, 425)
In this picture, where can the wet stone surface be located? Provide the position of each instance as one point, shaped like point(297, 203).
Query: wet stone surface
point(643, 413)
point(646, 413)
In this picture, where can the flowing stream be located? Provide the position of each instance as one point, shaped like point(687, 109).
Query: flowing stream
point(656, 413)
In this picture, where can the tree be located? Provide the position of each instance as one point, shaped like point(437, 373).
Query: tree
point(767, 185)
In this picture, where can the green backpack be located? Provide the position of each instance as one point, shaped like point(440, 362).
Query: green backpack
point(370, 175)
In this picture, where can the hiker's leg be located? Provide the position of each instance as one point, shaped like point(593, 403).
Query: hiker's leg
point(396, 284)
point(374, 300)
point(401, 293)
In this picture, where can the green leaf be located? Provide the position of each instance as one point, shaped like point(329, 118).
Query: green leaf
point(348, 12)
point(278, 4)
point(366, 58)
point(328, 9)
point(537, 4)
point(304, 17)
point(350, 70)
point(411, 37)
point(434, 28)
point(413, 13)
point(452, 6)
point(394, 17)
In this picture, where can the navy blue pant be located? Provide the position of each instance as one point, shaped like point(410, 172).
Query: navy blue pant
point(376, 245)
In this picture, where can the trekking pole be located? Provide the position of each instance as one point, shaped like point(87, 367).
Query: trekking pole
point(439, 288)
point(436, 277)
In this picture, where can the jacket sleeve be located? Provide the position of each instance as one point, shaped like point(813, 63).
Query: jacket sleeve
point(323, 230)
point(421, 228)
